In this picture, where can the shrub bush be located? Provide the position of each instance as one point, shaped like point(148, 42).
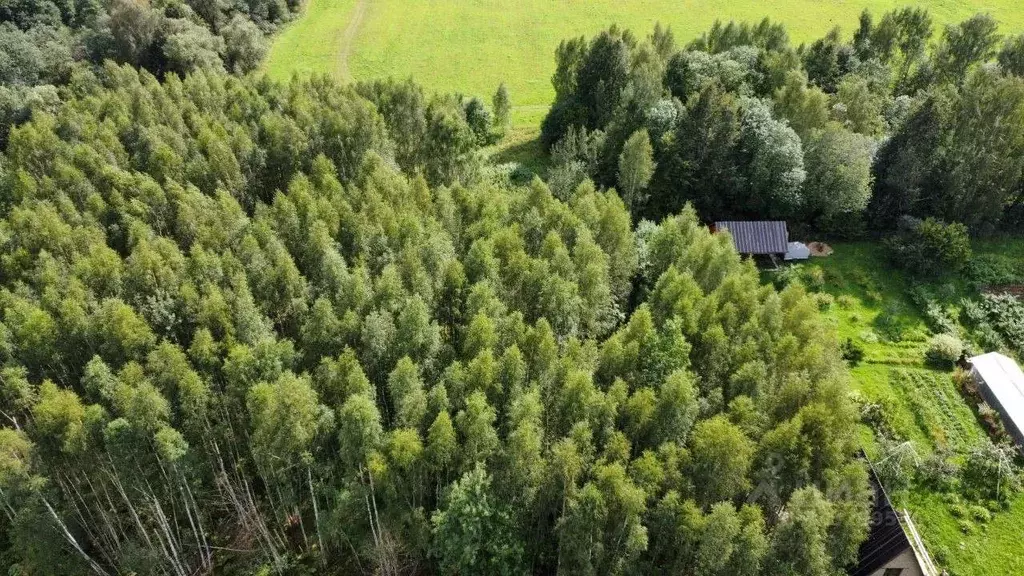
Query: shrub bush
point(860, 278)
point(989, 338)
point(938, 319)
point(994, 269)
point(786, 275)
point(972, 314)
point(989, 472)
point(1005, 314)
point(935, 314)
point(521, 175)
point(962, 378)
point(967, 527)
point(959, 510)
point(896, 465)
point(930, 247)
point(890, 323)
point(944, 349)
point(938, 471)
point(920, 295)
point(990, 419)
point(980, 514)
point(825, 301)
point(853, 353)
point(813, 277)
point(873, 297)
point(877, 415)
point(947, 291)
point(869, 337)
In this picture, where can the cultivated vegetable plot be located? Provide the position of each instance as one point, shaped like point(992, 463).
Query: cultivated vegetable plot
point(938, 408)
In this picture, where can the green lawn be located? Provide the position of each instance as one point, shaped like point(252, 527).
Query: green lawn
point(921, 403)
point(471, 46)
point(314, 42)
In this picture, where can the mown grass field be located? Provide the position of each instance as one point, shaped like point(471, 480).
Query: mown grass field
point(923, 403)
point(470, 46)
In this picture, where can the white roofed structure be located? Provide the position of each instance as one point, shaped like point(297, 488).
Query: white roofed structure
point(798, 251)
point(1001, 382)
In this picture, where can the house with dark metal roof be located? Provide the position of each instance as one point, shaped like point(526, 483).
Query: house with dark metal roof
point(757, 238)
point(893, 547)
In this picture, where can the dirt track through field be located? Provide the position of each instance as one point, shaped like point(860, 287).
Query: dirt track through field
point(349, 37)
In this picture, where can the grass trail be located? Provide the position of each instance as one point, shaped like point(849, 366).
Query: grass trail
point(348, 38)
point(312, 43)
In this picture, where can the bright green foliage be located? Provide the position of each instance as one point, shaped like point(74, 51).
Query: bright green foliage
point(930, 247)
point(233, 311)
point(838, 184)
point(407, 395)
point(805, 107)
point(858, 107)
point(284, 418)
point(359, 429)
point(944, 349)
point(800, 543)
point(636, 166)
point(745, 126)
point(43, 41)
point(721, 456)
point(474, 531)
point(601, 532)
point(502, 109)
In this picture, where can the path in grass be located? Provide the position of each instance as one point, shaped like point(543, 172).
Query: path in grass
point(313, 42)
point(349, 38)
point(471, 46)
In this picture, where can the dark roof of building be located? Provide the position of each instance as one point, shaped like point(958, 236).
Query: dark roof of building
point(886, 538)
point(757, 237)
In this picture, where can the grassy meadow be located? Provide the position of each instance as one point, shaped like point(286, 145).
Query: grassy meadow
point(470, 46)
point(314, 42)
point(869, 303)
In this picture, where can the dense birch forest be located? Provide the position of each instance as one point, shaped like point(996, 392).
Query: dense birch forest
point(251, 327)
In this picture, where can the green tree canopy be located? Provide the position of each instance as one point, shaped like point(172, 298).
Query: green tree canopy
point(233, 310)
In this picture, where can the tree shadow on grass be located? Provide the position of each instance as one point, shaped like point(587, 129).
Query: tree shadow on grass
point(528, 153)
